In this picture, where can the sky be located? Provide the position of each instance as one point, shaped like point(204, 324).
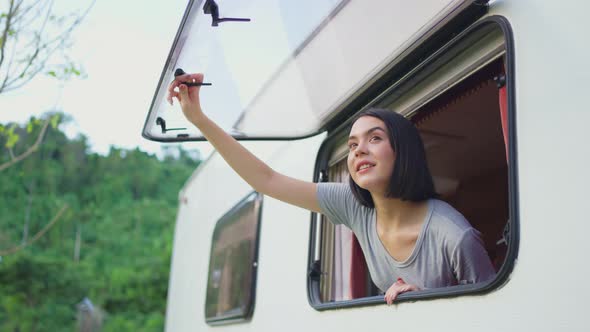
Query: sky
point(122, 47)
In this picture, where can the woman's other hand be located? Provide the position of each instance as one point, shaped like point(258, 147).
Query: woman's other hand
point(188, 97)
point(397, 288)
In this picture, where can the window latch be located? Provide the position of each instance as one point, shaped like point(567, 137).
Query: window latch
point(315, 270)
point(179, 72)
point(500, 80)
point(212, 8)
point(505, 239)
point(162, 123)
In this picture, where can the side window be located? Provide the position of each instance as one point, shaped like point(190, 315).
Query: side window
point(233, 263)
point(459, 103)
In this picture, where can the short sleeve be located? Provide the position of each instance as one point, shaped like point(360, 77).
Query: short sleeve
point(470, 260)
point(338, 203)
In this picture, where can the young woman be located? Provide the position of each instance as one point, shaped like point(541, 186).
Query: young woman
point(410, 240)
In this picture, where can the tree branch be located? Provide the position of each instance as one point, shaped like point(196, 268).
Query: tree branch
point(30, 150)
point(37, 236)
point(5, 32)
point(38, 47)
point(36, 42)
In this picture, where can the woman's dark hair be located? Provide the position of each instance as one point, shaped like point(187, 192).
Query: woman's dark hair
point(411, 179)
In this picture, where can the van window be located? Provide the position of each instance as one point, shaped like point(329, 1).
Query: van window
point(233, 263)
point(459, 105)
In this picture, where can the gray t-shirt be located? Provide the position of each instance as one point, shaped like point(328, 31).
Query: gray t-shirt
point(449, 251)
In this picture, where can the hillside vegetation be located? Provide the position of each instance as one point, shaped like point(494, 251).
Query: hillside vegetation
point(111, 244)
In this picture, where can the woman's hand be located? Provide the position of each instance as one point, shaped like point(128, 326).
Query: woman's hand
point(188, 97)
point(397, 288)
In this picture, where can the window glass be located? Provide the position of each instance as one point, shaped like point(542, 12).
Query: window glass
point(233, 263)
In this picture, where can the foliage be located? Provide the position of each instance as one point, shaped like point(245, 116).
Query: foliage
point(122, 208)
point(32, 34)
point(35, 37)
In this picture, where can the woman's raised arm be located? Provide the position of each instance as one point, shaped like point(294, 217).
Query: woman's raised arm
point(254, 171)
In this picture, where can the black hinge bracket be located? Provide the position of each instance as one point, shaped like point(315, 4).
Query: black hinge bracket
point(179, 72)
point(500, 80)
point(315, 271)
point(212, 8)
point(162, 123)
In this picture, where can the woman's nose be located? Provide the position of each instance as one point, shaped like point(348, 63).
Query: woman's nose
point(361, 149)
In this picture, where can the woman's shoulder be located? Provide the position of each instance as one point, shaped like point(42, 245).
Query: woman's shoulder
point(447, 221)
point(334, 191)
point(337, 201)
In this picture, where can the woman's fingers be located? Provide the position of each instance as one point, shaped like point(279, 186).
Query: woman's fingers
point(390, 296)
point(179, 80)
point(195, 78)
point(183, 91)
point(398, 288)
point(172, 91)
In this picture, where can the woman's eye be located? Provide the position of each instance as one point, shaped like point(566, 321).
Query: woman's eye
point(351, 146)
point(375, 138)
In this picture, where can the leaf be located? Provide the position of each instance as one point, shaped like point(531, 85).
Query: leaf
point(29, 127)
point(12, 140)
point(52, 73)
point(54, 121)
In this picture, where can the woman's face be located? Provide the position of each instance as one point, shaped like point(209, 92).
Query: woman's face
point(370, 156)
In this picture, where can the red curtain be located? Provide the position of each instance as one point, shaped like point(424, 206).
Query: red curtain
point(503, 99)
point(358, 271)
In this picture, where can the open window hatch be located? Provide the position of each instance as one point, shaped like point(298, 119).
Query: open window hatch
point(285, 69)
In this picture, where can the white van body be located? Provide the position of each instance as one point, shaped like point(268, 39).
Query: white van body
point(545, 290)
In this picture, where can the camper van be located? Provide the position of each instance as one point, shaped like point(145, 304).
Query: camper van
point(497, 90)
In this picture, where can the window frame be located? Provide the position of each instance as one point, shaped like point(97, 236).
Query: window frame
point(256, 199)
point(335, 135)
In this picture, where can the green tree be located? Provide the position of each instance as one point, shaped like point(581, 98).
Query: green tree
point(112, 245)
point(34, 38)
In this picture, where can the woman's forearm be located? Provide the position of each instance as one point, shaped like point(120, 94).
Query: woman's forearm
point(247, 165)
point(254, 171)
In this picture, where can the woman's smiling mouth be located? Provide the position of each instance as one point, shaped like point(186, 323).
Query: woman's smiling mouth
point(364, 166)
